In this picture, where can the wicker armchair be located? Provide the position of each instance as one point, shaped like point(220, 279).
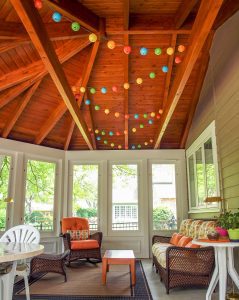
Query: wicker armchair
point(185, 267)
point(89, 249)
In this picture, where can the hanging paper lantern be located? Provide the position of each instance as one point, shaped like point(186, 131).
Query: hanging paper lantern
point(92, 90)
point(75, 26)
point(82, 89)
point(160, 111)
point(77, 96)
point(152, 75)
point(112, 145)
point(103, 90)
point(157, 51)
point(73, 88)
point(127, 49)
point(111, 133)
point(133, 147)
point(141, 125)
point(114, 89)
point(151, 141)
point(98, 138)
point(181, 48)
point(87, 101)
point(117, 133)
point(117, 114)
point(139, 146)
point(111, 44)
point(89, 129)
point(56, 16)
point(119, 147)
point(178, 60)
point(105, 142)
point(139, 80)
point(152, 114)
point(107, 111)
point(134, 130)
point(38, 4)
point(126, 85)
point(158, 116)
point(96, 131)
point(170, 51)
point(145, 116)
point(136, 116)
point(92, 37)
point(126, 116)
point(150, 122)
point(125, 132)
point(97, 107)
point(103, 132)
point(146, 143)
point(143, 51)
point(165, 69)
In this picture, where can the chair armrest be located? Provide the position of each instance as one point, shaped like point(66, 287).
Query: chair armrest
point(66, 240)
point(160, 239)
point(190, 260)
point(97, 236)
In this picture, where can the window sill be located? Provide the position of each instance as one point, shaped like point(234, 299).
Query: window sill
point(204, 210)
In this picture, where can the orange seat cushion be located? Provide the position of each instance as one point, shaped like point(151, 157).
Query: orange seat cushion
point(175, 239)
point(184, 241)
point(74, 223)
point(84, 244)
point(191, 245)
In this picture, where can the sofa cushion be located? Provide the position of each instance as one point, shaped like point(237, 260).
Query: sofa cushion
point(84, 244)
point(205, 228)
point(194, 229)
point(159, 251)
point(185, 226)
point(175, 238)
point(184, 241)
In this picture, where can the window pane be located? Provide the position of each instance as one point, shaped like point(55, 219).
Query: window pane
point(124, 197)
point(85, 193)
point(192, 181)
point(164, 197)
point(200, 177)
point(5, 162)
point(210, 169)
point(40, 190)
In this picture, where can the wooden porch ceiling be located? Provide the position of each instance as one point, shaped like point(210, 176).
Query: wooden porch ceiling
point(43, 64)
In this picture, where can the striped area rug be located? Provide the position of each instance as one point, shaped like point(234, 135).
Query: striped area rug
point(84, 282)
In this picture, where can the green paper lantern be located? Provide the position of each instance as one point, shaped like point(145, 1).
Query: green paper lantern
point(97, 107)
point(105, 142)
point(75, 26)
point(92, 90)
point(152, 75)
point(145, 116)
point(141, 125)
point(157, 51)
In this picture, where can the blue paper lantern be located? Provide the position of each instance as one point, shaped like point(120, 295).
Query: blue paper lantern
point(150, 121)
point(56, 16)
point(165, 69)
point(111, 133)
point(87, 102)
point(98, 138)
point(143, 51)
point(103, 90)
point(136, 116)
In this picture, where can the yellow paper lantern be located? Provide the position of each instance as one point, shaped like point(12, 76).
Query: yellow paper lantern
point(146, 143)
point(82, 89)
point(112, 145)
point(111, 44)
point(117, 114)
point(134, 129)
point(170, 51)
point(92, 37)
point(152, 114)
point(126, 85)
point(119, 147)
point(96, 131)
point(107, 111)
point(139, 80)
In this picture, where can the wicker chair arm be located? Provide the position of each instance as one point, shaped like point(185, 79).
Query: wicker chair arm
point(66, 240)
point(190, 260)
point(160, 239)
point(97, 236)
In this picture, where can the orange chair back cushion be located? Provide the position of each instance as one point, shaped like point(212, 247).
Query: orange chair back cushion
point(184, 241)
point(191, 245)
point(74, 223)
point(175, 238)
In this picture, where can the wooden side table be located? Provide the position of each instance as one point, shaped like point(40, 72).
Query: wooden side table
point(118, 257)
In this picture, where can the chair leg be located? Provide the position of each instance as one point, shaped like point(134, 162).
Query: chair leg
point(26, 286)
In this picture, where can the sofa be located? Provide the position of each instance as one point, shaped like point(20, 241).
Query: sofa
point(178, 261)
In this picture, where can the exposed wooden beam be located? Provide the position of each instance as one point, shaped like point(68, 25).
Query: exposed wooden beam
point(126, 14)
point(126, 94)
point(204, 21)
point(196, 94)
point(75, 11)
point(183, 12)
point(16, 31)
point(229, 8)
point(69, 135)
point(8, 45)
point(37, 70)
point(19, 109)
point(170, 69)
point(150, 31)
point(35, 28)
point(92, 126)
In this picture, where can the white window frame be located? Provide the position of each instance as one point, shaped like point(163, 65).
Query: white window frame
point(179, 206)
point(116, 233)
point(57, 192)
point(208, 133)
point(70, 188)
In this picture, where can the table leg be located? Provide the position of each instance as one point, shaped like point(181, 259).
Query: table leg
point(222, 265)
point(7, 283)
point(214, 279)
point(132, 271)
point(104, 270)
point(231, 270)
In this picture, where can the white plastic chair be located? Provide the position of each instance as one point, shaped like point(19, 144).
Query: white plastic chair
point(20, 234)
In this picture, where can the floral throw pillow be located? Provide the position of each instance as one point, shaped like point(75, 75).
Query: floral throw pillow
point(78, 234)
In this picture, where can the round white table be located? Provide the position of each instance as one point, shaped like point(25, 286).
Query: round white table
point(14, 252)
point(224, 262)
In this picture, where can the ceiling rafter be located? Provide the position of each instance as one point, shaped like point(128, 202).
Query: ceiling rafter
point(35, 28)
point(35, 71)
point(204, 21)
point(8, 45)
point(75, 11)
point(197, 89)
point(183, 12)
point(19, 109)
point(149, 31)
point(83, 82)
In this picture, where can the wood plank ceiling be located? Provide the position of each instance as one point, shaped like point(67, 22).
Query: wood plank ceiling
point(44, 63)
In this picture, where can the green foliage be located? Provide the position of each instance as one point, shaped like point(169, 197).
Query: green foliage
point(229, 220)
point(5, 162)
point(86, 212)
point(162, 215)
